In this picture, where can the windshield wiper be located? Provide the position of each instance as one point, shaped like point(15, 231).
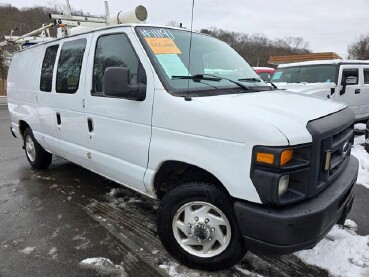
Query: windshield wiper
point(198, 78)
point(249, 80)
point(209, 77)
point(275, 86)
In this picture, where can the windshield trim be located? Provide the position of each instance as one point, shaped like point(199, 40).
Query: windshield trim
point(182, 92)
point(310, 65)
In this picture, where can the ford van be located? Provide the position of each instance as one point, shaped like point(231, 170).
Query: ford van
point(234, 165)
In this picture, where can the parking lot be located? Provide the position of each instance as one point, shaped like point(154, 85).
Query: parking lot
point(52, 220)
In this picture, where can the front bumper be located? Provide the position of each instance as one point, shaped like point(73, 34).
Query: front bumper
point(300, 226)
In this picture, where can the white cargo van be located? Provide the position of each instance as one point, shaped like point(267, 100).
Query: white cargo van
point(234, 165)
point(344, 81)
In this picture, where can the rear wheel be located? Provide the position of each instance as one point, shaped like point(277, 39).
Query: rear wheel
point(38, 157)
point(197, 226)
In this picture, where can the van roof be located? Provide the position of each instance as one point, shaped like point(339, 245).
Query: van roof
point(323, 62)
point(106, 28)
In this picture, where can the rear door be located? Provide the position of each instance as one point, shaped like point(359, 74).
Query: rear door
point(46, 109)
point(365, 91)
point(68, 98)
point(352, 95)
point(119, 129)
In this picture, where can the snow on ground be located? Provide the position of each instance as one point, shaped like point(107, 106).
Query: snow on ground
point(172, 269)
point(360, 126)
point(53, 253)
point(103, 265)
point(27, 250)
point(121, 197)
point(359, 152)
point(342, 253)
point(248, 273)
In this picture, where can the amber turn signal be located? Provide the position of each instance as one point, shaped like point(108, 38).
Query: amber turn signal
point(286, 156)
point(265, 158)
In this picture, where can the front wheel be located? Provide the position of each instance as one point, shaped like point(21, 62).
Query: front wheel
point(38, 157)
point(197, 226)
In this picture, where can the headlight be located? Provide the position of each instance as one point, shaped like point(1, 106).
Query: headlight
point(281, 174)
point(283, 185)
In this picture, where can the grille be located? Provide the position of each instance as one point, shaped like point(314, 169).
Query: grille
point(340, 147)
point(332, 133)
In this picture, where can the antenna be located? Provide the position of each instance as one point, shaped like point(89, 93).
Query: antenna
point(107, 12)
point(68, 10)
point(188, 98)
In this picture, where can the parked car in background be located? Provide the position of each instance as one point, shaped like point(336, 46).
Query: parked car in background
point(264, 73)
point(340, 80)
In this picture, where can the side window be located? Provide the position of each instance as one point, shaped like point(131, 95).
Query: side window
point(366, 76)
point(354, 73)
point(115, 51)
point(69, 66)
point(48, 68)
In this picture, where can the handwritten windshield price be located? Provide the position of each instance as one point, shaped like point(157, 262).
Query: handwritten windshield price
point(163, 46)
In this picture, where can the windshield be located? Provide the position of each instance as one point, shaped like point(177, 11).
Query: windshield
point(305, 74)
point(169, 51)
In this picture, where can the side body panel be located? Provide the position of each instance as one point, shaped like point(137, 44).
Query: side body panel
point(119, 142)
point(22, 86)
point(179, 129)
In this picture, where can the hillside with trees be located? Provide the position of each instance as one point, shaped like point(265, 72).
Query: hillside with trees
point(257, 48)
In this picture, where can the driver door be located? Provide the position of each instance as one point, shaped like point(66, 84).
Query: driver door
point(350, 93)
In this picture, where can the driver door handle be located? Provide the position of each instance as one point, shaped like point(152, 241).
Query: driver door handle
point(90, 125)
point(58, 119)
point(357, 91)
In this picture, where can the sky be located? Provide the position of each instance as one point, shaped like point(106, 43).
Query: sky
point(328, 25)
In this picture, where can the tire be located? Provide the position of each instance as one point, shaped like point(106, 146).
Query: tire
point(38, 157)
point(204, 228)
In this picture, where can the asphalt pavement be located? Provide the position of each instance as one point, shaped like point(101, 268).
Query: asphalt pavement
point(52, 220)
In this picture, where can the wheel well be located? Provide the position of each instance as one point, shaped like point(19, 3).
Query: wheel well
point(22, 127)
point(173, 173)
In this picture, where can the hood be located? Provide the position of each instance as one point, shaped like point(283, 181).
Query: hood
point(307, 88)
point(288, 112)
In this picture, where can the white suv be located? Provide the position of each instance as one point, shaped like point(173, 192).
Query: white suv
point(344, 81)
point(235, 165)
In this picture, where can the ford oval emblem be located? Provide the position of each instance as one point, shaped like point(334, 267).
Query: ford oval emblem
point(346, 148)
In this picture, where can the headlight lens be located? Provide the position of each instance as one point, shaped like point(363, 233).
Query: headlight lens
point(283, 185)
point(276, 157)
point(286, 156)
point(266, 158)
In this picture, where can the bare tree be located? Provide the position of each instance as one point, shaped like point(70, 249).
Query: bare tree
point(296, 44)
point(359, 50)
point(257, 48)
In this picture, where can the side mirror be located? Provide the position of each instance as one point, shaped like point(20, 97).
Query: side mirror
point(116, 83)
